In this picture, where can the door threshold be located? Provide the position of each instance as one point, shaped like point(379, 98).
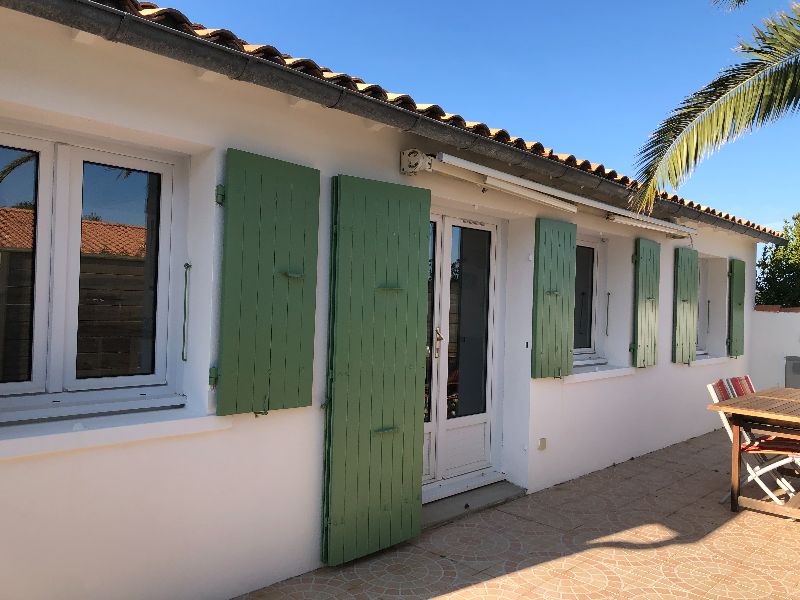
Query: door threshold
point(436, 490)
point(453, 507)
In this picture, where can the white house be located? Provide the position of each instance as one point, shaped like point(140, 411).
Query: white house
point(254, 312)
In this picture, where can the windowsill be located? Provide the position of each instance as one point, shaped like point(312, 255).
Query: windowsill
point(32, 439)
point(707, 360)
point(597, 373)
point(588, 360)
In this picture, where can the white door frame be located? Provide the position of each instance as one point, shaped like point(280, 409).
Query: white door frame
point(438, 483)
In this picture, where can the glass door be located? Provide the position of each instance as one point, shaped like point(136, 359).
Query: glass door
point(460, 315)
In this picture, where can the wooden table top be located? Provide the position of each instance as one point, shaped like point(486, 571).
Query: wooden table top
point(780, 404)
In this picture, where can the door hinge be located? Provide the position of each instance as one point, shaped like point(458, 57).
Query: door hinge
point(213, 376)
point(219, 196)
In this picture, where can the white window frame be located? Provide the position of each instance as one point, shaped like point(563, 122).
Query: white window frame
point(702, 306)
point(76, 157)
point(596, 246)
point(41, 282)
point(54, 391)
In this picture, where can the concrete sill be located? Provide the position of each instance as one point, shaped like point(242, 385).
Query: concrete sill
point(36, 439)
point(583, 374)
point(710, 360)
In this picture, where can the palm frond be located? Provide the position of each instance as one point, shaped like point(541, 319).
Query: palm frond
point(15, 164)
point(730, 4)
point(743, 97)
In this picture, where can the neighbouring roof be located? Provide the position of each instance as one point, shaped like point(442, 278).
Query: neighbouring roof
point(175, 19)
point(97, 237)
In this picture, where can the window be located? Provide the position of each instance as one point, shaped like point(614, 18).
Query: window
point(588, 343)
point(712, 306)
point(96, 329)
point(584, 298)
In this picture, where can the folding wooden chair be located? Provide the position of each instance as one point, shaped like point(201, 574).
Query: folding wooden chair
point(756, 450)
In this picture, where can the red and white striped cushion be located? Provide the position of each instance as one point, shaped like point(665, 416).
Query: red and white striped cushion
point(721, 390)
point(741, 386)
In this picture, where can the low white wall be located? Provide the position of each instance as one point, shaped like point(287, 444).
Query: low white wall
point(775, 336)
point(205, 516)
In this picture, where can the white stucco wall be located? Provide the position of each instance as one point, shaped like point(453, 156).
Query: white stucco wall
point(207, 507)
point(776, 335)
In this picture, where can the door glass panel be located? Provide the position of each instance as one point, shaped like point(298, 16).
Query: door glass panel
point(18, 193)
point(118, 274)
point(431, 308)
point(469, 322)
point(584, 296)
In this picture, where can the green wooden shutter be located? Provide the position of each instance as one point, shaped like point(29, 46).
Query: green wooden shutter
point(684, 324)
point(647, 269)
point(736, 285)
point(379, 267)
point(553, 299)
point(269, 281)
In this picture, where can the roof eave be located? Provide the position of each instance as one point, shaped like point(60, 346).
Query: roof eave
point(118, 26)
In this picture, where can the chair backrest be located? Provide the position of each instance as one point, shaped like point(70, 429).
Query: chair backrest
point(741, 386)
point(725, 389)
point(719, 391)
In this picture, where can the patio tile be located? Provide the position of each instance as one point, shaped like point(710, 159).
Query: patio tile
point(651, 528)
point(486, 539)
point(405, 572)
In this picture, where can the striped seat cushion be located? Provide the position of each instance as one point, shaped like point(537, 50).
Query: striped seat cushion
point(772, 445)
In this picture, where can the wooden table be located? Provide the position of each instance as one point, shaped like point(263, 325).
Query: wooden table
point(774, 411)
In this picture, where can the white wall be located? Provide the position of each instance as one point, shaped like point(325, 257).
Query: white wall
point(775, 336)
point(593, 423)
point(216, 514)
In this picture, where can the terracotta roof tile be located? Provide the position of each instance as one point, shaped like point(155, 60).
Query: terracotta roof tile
point(97, 237)
point(175, 19)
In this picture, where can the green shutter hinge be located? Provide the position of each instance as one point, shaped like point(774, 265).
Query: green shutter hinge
point(213, 376)
point(219, 196)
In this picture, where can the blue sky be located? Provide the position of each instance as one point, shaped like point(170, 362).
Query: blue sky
point(588, 78)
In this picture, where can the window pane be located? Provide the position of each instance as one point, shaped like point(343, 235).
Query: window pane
point(469, 322)
point(18, 193)
point(584, 296)
point(119, 263)
point(431, 296)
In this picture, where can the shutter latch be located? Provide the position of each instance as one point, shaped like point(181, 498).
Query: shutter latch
point(213, 376)
point(219, 196)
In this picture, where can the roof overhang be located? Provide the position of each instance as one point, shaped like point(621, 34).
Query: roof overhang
point(414, 161)
point(118, 26)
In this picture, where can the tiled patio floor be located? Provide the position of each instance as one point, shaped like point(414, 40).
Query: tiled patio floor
point(648, 528)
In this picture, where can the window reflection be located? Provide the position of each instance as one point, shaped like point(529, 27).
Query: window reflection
point(431, 297)
point(18, 194)
point(468, 322)
point(118, 272)
point(584, 296)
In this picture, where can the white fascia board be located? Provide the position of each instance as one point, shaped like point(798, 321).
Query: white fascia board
point(491, 177)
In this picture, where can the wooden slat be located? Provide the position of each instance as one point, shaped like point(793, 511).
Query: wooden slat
point(684, 306)
point(376, 367)
point(647, 270)
point(736, 288)
point(553, 298)
point(774, 404)
point(268, 284)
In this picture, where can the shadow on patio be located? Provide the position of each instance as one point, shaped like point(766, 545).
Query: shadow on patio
point(651, 527)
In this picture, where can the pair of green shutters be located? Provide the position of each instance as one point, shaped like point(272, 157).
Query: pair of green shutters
point(685, 306)
point(378, 311)
point(554, 301)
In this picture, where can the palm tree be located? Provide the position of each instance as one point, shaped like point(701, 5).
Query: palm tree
point(760, 90)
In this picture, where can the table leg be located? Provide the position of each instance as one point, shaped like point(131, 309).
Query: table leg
point(736, 449)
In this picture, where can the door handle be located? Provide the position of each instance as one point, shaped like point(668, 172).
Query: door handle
point(437, 342)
